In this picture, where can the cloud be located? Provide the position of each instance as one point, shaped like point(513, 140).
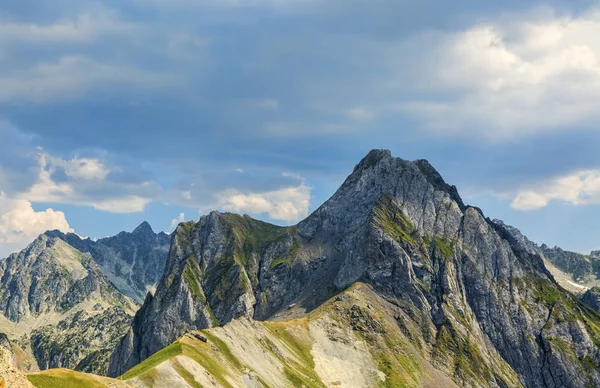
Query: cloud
point(287, 204)
point(285, 198)
point(516, 76)
point(177, 221)
point(81, 28)
point(20, 223)
point(86, 169)
point(72, 76)
point(579, 188)
point(86, 184)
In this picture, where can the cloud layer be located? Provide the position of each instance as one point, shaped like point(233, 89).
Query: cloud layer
point(579, 188)
point(20, 223)
point(515, 76)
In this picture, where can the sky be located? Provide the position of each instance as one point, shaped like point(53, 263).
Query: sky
point(115, 112)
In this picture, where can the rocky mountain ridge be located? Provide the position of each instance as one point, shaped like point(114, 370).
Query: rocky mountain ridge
point(485, 309)
point(63, 298)
point(133, 262)
point(574, 271)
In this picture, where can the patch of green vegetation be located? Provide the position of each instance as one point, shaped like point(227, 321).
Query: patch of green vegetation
point(191, 274)
point(187, 227)
point(469, 364)
point(390, 218)
point(207, 358)
point(297, 380)
point(63, 378)
point(400, 367)
point(564, 347)
point(392, 378)
point(157, 358)
point(444, 247)
point(223, 348)
point(187, 376)
point(278, 262)
point(546, 291)
point(589, 363)
point(150, 377)
point(288, 259)
point(301, 349)
point(302, 371)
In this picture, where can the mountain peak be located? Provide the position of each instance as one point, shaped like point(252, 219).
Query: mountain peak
point(372, 158)
point(144, 227)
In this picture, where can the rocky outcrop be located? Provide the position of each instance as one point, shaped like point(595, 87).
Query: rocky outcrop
point(65, 309)
point(576, 264)
point(592, 298)
point(10, 376)
point(133, 262)
point(571, 266)
point(82, 341)
point(485, 306)
point(50, 276)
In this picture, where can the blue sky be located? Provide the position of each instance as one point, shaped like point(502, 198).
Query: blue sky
point(114, 112)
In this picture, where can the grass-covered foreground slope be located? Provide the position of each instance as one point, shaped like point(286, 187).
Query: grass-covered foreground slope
point(66, 378)
point(354, 340)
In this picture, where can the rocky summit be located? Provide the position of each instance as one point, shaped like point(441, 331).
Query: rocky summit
point(65, 301)
point(133, 262)
point(450, 294)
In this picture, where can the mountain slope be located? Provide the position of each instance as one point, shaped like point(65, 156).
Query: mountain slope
point(10, 376)
point(486, 309)
point(352, 340)
point(57, 302)
point(133, 262)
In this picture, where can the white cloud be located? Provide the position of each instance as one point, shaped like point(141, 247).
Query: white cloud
point(511, 77)
point(20, 223)
point(84, 27)
point(287, 204)
point(579, 188)
point(87, 175)
point(177, 221)
point(86, 169)
point(125, 204)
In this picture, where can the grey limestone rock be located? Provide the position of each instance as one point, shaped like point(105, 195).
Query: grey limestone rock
point(490, 313)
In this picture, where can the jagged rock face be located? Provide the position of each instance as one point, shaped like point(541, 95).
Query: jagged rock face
point(592, 298)
point(94, 333)
point(517, 239)
point(133, 262)
point(47, 276)
point(52, 279)
point(569, 265)
point(576, 264)
point(485, 306)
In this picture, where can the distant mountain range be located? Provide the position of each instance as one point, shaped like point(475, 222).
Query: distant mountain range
point(392, 282)
point(68, 301)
